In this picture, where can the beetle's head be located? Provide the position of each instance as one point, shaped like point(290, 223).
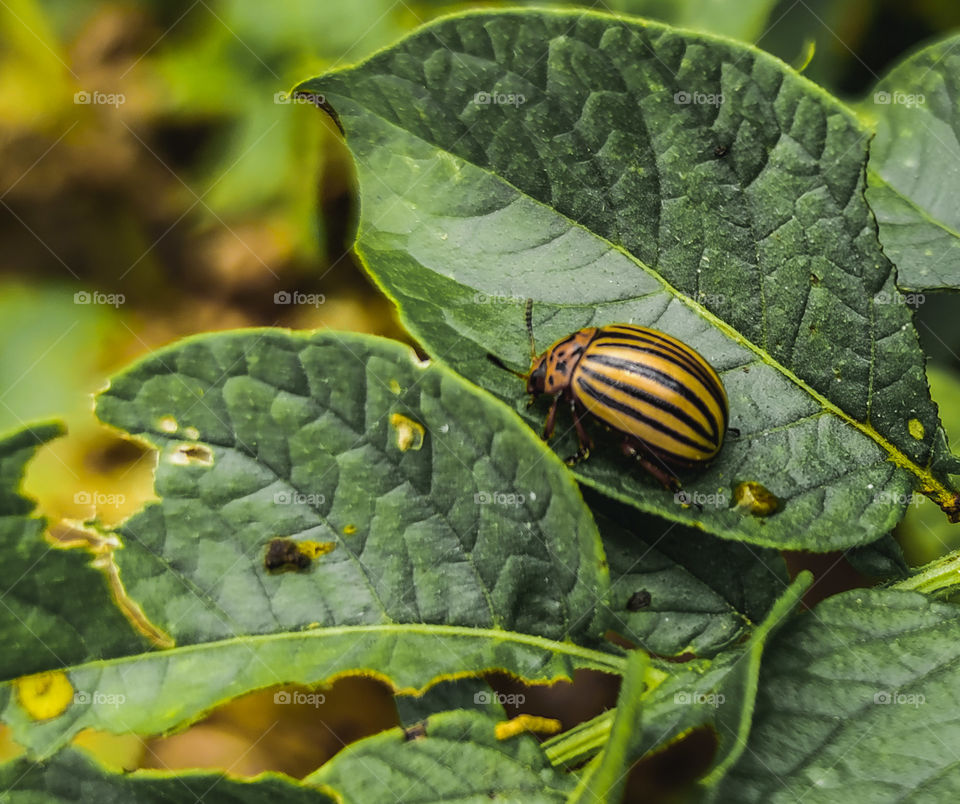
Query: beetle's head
point(536, 379)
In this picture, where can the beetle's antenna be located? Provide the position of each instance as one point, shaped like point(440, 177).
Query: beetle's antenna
point(529, 316)
point(500, 364)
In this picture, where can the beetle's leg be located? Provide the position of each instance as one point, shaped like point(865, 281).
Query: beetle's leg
point(633, 448)
point(584, 440)
point(551, 419)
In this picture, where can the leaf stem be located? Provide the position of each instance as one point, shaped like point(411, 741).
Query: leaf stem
point(940, 578)
point(580, 742)
point(606, 775)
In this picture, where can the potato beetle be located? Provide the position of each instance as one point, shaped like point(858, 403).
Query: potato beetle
point(664, 398)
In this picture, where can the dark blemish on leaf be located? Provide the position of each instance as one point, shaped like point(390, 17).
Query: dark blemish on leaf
point(284, 555)
point(186, 454)
point(639, 600)
point(417, 731)
point(814, 279)
point(721, 151)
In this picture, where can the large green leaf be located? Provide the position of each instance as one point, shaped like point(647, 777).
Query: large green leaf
point(676, 590)
point(605, 199)
point(71, 776)
point(55, 610)
point(719, 693)
point(857, 702)
point(914, 167)
point(440, 506)
point(455, 757)
point(456, 543)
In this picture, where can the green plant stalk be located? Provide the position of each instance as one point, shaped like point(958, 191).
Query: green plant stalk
point(940, 578)
point(606, 775)
point(754, 654)
point(582, 741)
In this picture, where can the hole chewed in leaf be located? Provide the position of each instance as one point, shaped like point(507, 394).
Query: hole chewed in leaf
point(189, 454)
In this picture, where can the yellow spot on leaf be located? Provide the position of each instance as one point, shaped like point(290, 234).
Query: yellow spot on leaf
point(168, 424)
point(45, 695)
point(191, 433)
point(395, 386)
point(316, 549)
point(526, 723)
point(350, 529)
point(754, 498)
point(916, 429)
point(409, 433)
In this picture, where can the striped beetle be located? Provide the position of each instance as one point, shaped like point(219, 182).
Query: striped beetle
point(664, 398)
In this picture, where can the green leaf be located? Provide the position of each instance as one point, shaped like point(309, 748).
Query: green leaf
point(924, 533)
point(914, 166)
point(71, 776)
point(462, 693)
point(719, 693)
point(857, 702)
point(156, 692)
point(733, 723)
point(603, 199)
point(882, 559)
point(677, 590)
point(458, 758)
point(47, 595)
point(440, 506)
point(455, 542)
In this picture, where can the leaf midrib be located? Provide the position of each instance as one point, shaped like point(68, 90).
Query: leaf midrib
point(612, 663)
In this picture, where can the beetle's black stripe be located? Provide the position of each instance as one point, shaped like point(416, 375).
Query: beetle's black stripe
point(694, 371)
point(653, 338)
point(657, 402)
point(633, 413)
point(667, 381)
point(691, 361)
point(684, 356)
